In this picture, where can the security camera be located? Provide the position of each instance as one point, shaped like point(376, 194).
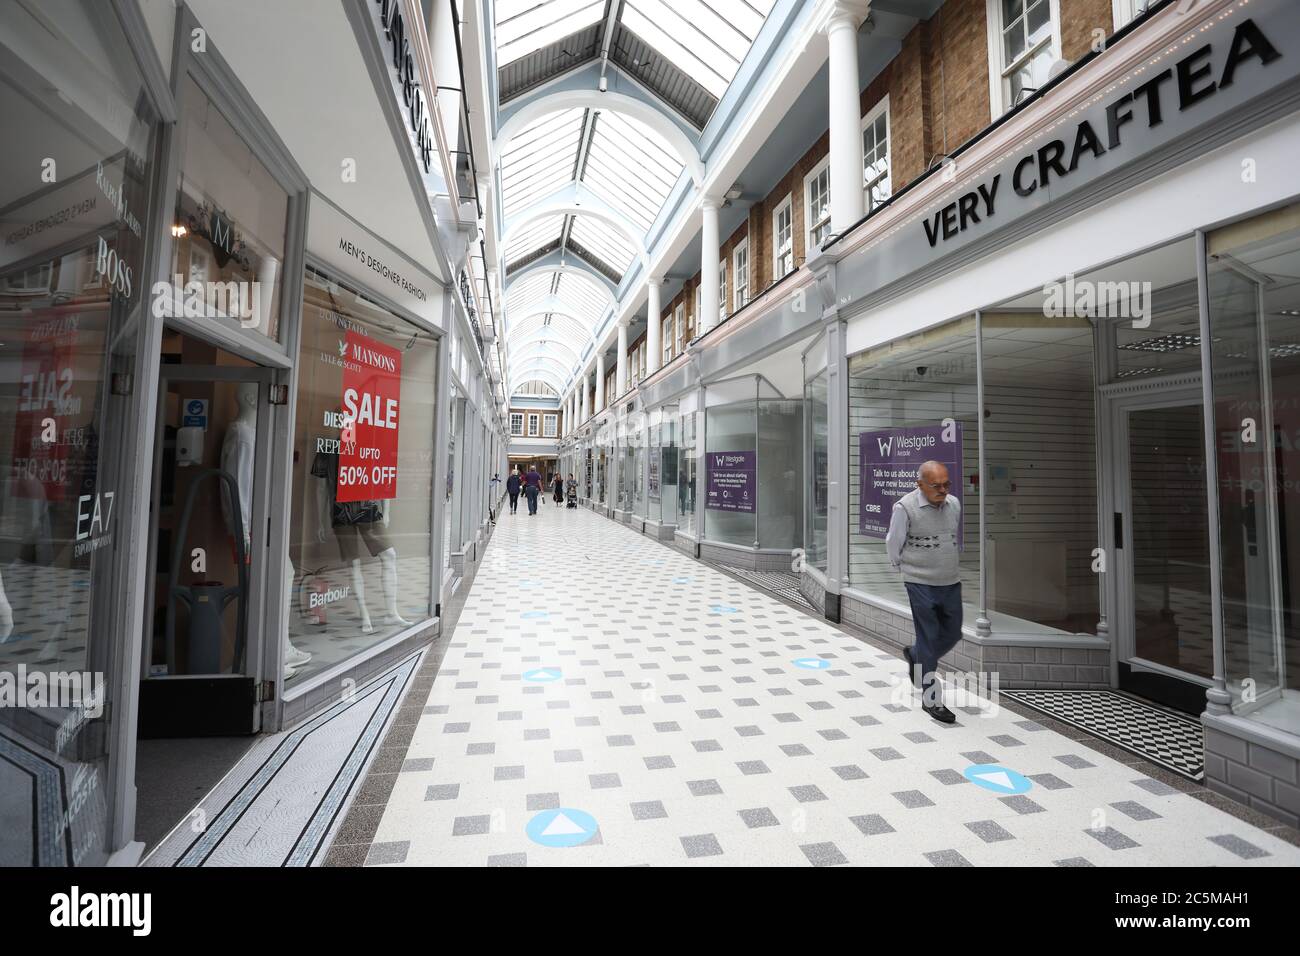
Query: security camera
point(922, 369)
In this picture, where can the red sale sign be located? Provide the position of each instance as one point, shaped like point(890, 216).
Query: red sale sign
point(372, 386)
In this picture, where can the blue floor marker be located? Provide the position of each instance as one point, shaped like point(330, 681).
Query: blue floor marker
point(542, 675)
point(811, 663)
point(999, 779)
point(562, 827)
point(681, 580)
point(722, 609)
point(527, 615)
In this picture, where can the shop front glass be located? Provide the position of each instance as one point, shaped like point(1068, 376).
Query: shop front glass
point(636, 461)
point(1254, 298)
point(731, 474)
point(686, 465)
point(817, 462)
point(361, 537)
point(455, 446)
point(230, 221)
point(780, 475)
point(79, 154)
point(662, 479)
point(911, 400)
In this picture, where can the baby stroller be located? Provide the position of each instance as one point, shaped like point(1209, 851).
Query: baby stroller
point(571, 494)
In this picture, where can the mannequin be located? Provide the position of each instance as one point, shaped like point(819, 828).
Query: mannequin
point(238, 451)
point(357, 523)
point(6, 615)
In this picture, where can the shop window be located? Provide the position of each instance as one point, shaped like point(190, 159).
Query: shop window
point(686, 465)
point(1255, 368)
point(817, 203)
point(875, 156)
point(1126, 11)
point(361, 524)
point(666, 337)
point(783, 239)
point(532, 426)
point(917, 392)
point(680, 337)
point(549, 426)
point(516, 423)
point(740, 263)
point(1024, 42)
point(817, 464)
point(731, 474)
point(1040, 485)
point(73, 316)
point(780, 475)
point(230, 221)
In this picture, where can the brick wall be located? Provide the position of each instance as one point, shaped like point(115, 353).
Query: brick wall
point(958, 68)
point(1079, 18)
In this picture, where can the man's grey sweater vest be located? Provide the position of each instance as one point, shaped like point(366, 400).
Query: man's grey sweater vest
point(930, 554)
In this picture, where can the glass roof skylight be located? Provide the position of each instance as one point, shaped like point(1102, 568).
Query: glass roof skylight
point(540, 160)
point(534, 236)
point(525, 26)
point(706, 41)
point(603, 242)
point(631, 167)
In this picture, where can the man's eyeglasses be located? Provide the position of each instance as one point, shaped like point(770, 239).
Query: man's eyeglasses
point(938, 485)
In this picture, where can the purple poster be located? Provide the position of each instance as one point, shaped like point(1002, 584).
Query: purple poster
point(887, 463)
point(732, 483)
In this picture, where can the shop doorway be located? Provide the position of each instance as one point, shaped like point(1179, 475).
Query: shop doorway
point(207, 546)
point(1162, 547)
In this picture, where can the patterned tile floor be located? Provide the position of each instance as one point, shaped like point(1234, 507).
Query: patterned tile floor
point(603, 690)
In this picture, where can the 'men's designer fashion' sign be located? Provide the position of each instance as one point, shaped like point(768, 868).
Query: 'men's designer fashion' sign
point(732, 486)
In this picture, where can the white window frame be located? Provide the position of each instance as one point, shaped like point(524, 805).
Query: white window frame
point(740, 286)
point(874, 114)
point(785, 206)
point(679, 330)
point(810, 243)
point(550, 425)
point(1124, 12)
point(534, 422)
point(666, 334)
point(520, 430)
point(999, 90)
point(722, 289)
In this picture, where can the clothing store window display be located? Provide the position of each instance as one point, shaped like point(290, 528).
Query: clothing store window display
point(238, 454)
point(366, 405)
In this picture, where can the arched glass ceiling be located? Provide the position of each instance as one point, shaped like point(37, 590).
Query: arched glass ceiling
point(603, 242)
point(525, 26)
point(631, 167)
point(552, 307)
point(705, 39)
point(540, 159)
point(535, 236)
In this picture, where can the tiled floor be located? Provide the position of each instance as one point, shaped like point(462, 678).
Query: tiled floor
point(671, 714)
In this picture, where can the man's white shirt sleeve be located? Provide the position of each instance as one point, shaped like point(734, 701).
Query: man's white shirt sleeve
point(896, 536)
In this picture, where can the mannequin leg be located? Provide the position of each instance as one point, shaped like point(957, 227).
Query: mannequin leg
point(388, 559)
point(359, 589)
point(292, 656)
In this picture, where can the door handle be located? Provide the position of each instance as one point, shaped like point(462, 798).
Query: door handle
point(1119, 530)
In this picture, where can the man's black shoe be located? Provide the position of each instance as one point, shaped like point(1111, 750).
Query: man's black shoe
point(940, 713)
point(911, 667)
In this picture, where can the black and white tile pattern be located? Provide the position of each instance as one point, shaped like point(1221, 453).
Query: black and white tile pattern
point(699, 720)
point(1168, 740)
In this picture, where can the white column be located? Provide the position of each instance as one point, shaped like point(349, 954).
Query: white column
point(600, 380)
point(620, 376)
point(654, 326)
point(583, 411)
point(708, 268)
point(845, 117)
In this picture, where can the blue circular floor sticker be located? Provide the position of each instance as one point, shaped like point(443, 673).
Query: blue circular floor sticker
point(532, 615)
point(722, 609)
point(681, 580)
point(990, 776)
point(812, 663)
point(542, 675)
point(562, 827)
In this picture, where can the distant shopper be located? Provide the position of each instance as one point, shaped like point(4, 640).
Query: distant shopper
point(571, 488)
point(559, 490)
point(532, 488)
point(922, 544)
point(512, 489)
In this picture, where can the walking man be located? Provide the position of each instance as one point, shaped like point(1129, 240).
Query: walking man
point(512, 488)
point(922, 544)
point(532, 488)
